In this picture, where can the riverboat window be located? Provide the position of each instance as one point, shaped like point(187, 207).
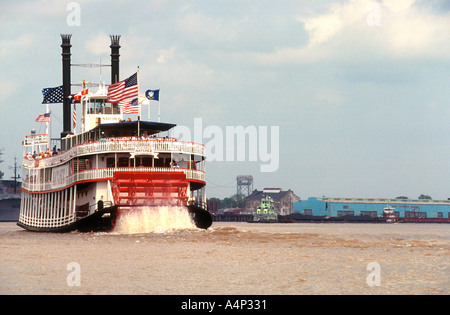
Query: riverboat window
point(188, 161)
point(123, 162)
point(159, 162)
point(100, 106)
point(163, 160)
point(141, 161)
point(146, 161)
point(110, 162)
point(135, 161)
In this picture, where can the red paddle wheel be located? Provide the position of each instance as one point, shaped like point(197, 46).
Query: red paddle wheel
point(148, 189)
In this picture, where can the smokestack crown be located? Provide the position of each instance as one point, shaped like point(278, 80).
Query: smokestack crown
point(114, 58)
point(66, 39)
point(115, 40)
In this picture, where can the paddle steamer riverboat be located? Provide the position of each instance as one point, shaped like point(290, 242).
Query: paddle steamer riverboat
point(110, 168)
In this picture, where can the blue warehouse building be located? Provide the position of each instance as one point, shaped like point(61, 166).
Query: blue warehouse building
point(374, 207)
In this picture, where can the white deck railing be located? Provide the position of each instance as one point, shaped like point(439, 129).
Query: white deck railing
point(105, 174)
point(119, 145)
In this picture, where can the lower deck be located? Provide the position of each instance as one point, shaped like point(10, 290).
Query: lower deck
point(65, 207)
point(49, 210)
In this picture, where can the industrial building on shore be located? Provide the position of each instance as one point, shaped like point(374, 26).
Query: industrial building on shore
point(404, 208)
point(283, 200)
point(290, 208)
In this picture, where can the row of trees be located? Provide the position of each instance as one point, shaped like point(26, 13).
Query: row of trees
point(235, 201)
point(422, 196)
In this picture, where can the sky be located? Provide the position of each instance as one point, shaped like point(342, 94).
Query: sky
point(359, 91)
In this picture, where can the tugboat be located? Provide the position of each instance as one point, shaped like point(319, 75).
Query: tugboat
point(112, 167)
point(265, 213)
point(389, 214)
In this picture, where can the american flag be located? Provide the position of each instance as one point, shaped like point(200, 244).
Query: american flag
point(43, 118)
point(131, 107)
point(74, 116)
point(53, 95)
point(123, 92)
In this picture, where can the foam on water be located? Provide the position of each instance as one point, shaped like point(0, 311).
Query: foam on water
point(154, 220)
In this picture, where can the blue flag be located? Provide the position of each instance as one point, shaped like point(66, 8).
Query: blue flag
point(53, 95)
point(152, 95)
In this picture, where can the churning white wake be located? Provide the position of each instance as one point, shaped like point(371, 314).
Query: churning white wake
point(154, 219)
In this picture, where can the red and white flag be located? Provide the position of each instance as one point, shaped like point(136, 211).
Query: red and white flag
point(74, 116)
point(132, 107)
point(78, 96)
point(124, 91)
point(43, 118)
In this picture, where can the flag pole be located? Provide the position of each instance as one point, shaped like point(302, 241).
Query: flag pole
point(148, 114)
point(137, 79)
point(139, 115)
point(48, 127)
point(159, 107)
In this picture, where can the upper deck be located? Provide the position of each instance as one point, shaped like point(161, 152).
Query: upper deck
point(105, 131)
point(107, 145)
point(90, 158)
point(130, 130)
point(132, 145)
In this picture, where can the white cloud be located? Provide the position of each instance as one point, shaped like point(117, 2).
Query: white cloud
point(98, 44)
point(344, 33)
point(165, 55)
point(412, 31)
point(324, 27)
point(398, 5)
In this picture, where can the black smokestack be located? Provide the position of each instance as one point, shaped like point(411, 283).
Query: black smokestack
point(114, 58)
point(66, 83)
